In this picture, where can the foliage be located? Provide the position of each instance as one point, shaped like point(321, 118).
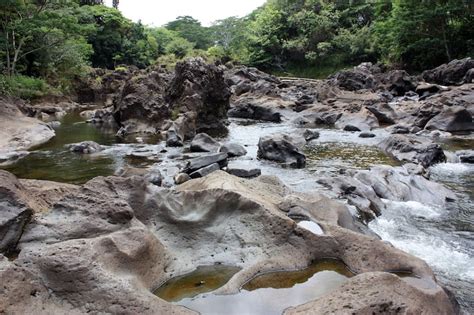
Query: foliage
point(191, 29)
point(24, 86)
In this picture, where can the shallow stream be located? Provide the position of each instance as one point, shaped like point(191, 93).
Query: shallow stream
point(444, 237)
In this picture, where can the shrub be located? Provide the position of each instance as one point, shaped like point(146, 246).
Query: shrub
point(24, 86)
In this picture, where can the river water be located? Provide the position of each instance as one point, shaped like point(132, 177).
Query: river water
point(443, 237)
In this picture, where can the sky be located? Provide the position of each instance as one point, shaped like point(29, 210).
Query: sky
point(160, 12)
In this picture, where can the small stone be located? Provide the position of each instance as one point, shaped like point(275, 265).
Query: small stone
point(233, 149)
point(310, 135)
point(366, 135)
point(181, 178)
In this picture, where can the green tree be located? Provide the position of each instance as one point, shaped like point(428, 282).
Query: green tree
point(192, 30)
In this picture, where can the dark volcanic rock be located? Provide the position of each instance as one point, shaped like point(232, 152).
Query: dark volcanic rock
point(366, 135)
point(200, 88)
point(233, 149)
point(173, 139)
point(452, 73)
point(256, 112)
point(283, 149)
point(204, 143)
point(141, 106)
point(398, 82)
point(203, 161)
point(357, 79)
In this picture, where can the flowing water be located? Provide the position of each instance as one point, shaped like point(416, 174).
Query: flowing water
point(444, 237)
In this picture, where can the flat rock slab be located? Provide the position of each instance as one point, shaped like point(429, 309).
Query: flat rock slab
point(203, 161)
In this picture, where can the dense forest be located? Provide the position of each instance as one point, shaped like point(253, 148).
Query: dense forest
point(45, 44)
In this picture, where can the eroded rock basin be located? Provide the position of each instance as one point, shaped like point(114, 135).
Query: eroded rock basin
point(269, 293)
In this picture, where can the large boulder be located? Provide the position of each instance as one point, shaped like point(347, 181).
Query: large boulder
point(283, 149)
point(398, 82)
point(359, 78)
point(200, 88)
point(452, 73)
point(141, 105)
point(121, 238)
point(452, 119)
point(409, 149)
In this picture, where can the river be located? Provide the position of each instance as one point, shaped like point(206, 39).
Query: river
point(443, 237)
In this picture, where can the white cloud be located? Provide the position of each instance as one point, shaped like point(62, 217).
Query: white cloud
point(157, 13)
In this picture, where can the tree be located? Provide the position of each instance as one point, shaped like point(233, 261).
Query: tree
point(33, 27)
point(192, 30)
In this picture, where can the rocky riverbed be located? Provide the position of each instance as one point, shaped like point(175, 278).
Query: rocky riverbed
point(154, 175)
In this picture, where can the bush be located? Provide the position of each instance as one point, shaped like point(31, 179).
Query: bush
point(24, 86)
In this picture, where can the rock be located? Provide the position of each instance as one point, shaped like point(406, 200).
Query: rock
point(204, 143)
point(141, 105)
point(366, 135)
point(310, 135)
point(384, 113)
point(398, 82)
point(281, 148)
point(380, 293)
point(181, 178)
point(425, 90)
point(154, 177)
point(14, 212)
point(233, 149)
point(86, 147)
point(205, 170)
point(466, 156)
point(452, 119)
point(244, 172)
point(452, 73)
point(350, 127)
point(203, 161)
point(173, 139)
point(200, 88)
point(250, 111)
point(18, 132)
point(121, 237)
point(353, 80)
point(400, 130)
point(409, 149)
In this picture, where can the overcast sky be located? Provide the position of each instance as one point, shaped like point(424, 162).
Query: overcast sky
point(159, 12)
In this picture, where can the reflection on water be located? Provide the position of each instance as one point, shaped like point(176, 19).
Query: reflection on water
point(274, 292)
point(53, 161)
point(203, 279)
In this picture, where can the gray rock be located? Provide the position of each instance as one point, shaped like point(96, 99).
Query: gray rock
point(400, 130)
point(410, 149)
point(452, 119)
point(173, 139)
point(466, 156)
point(244, 172)
point(283, 149)
point(205, 170)
point(203, 161)
point(86, 147)
point(154, 177)
point(11, 157)
point(452, 73)
point(233, 149)
point(202, 142)
point(310, 135)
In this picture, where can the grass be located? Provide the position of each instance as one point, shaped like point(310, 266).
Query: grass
point(24, 87)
